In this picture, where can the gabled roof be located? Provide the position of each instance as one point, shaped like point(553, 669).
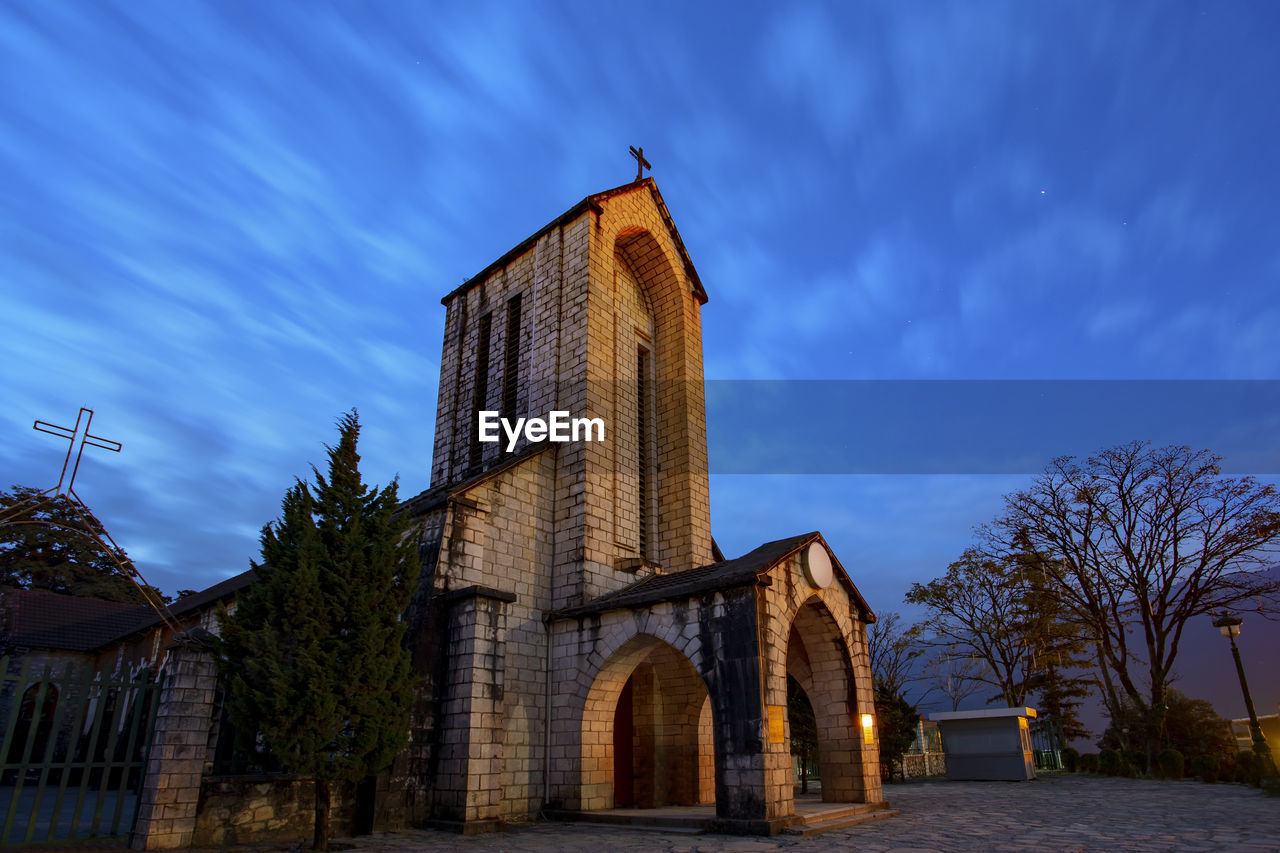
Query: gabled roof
point(436, 496)
point(749, 569)
point(200, 600)
point(592, 202)
point(49, 620)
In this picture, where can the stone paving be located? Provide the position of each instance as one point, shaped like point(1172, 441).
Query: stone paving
point(1062, 813)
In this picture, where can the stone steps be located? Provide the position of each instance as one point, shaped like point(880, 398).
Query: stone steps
point(812, 818)
point(839, 817)
point(659, 828)
point(660, 820)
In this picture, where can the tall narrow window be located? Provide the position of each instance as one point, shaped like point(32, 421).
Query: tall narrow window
point(642, 450)
point(511, 359)
point(482, 388)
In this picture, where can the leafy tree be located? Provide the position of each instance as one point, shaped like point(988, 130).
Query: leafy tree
point(976, 611)
point(893, 650)
point(1191, 726)
point(1137, 542)
point(804, 729)
point(998, 623)
point(897, 720)
point(953, 674)
point(313, 651)
point(49, 543)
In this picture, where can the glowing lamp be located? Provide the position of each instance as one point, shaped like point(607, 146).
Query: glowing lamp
point(868, 729)
point(1228, 624)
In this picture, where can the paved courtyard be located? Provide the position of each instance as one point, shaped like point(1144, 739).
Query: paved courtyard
point(1063, 813)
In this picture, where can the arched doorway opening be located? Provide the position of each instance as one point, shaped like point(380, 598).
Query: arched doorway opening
point(33, 729)
point(647, 731)
point(819, 662)
point(802, 726)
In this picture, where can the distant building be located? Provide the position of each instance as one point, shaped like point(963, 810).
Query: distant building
point(1270, 725)
point(111, 638)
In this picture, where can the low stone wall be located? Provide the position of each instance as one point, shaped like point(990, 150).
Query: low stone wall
point(265, 809)
point(916, 765)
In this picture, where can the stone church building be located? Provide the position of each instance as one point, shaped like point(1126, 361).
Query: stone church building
point(583, 643)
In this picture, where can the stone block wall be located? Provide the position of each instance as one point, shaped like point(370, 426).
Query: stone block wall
point(498, 536)
point(706, 755)
point(550, 276)
point(176, 761)
point(915, 765)
point(466, 785)
point(266, 809)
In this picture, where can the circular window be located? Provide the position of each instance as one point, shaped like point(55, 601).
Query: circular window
point(817, 566)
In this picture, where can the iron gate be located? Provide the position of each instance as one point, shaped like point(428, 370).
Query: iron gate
point(1048, 743)
point(74, 753)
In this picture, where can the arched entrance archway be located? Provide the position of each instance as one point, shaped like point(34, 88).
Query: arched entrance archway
point(819, 661)
point(647, 731)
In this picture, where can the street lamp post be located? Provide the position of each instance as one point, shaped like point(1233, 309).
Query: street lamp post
point(1229, 625)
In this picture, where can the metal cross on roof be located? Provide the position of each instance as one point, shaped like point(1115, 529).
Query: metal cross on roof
point(79, 437)
point(641, 163)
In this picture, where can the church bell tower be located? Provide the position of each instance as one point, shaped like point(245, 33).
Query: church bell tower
point(596, 316)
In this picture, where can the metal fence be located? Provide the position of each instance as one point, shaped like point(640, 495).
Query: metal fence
point(73, 756)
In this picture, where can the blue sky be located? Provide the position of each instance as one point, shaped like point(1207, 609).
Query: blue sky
point(223, 224)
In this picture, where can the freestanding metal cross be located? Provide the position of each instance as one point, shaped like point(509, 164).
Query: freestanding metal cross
point(641, 163)
point(79, 438)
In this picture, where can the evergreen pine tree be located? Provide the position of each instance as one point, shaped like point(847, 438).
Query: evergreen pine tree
point(896, 722)
point(313, 652)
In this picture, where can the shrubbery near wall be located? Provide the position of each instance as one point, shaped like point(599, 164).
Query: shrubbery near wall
point(1249, 768)
point(1170, 762)
point(1206, 767)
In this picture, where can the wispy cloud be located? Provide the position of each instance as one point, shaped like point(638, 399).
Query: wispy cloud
point(223, 224)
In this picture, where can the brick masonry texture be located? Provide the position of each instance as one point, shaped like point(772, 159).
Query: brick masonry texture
point(176, 762)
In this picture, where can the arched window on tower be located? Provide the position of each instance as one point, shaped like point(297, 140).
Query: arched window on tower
point(645, 453)
point(635, 397)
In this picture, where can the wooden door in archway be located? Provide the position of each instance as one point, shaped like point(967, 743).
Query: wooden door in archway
point(624, 792)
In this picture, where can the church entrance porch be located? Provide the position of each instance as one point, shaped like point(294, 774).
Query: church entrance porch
point(646, 731)
point(672, 692)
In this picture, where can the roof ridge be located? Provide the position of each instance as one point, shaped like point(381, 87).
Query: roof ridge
point(592, 202)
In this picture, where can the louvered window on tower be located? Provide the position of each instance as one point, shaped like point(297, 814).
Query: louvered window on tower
point(482, 387)
point(511, 360)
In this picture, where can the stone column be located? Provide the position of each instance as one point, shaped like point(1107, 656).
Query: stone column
point(179, 742)
point(468, 792)
point(730, 666)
